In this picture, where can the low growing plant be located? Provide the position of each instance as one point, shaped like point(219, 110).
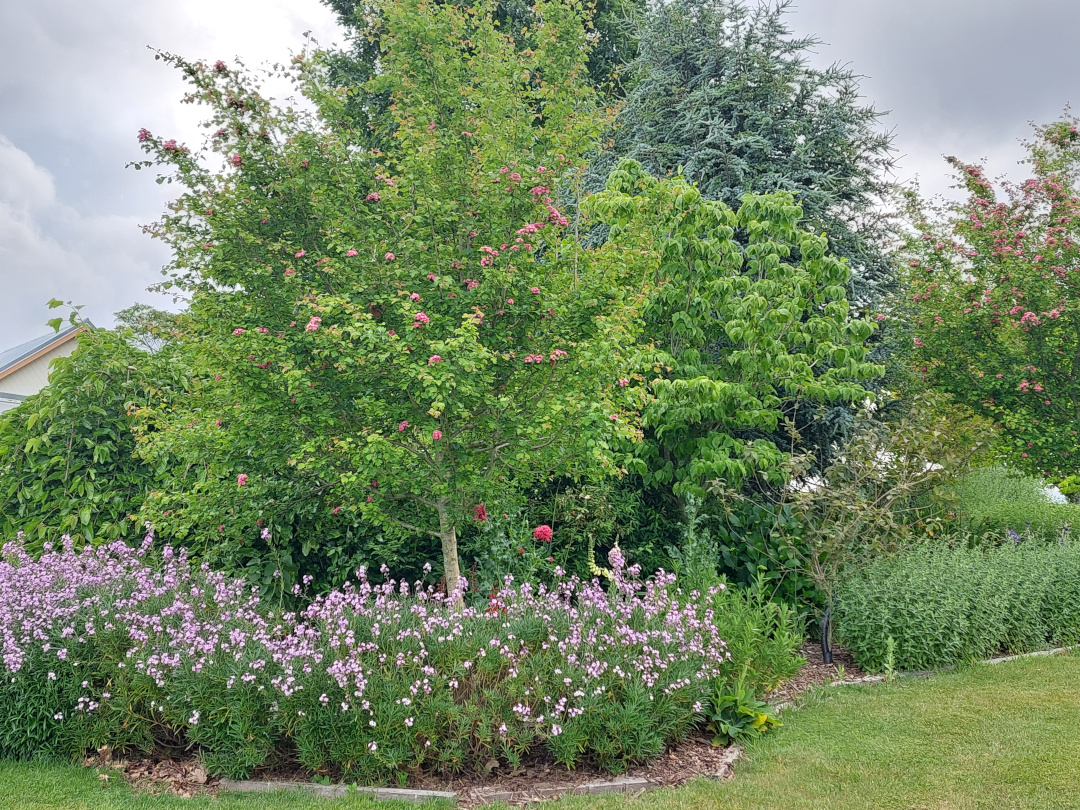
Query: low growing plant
point(943, 605)
point(370, 682)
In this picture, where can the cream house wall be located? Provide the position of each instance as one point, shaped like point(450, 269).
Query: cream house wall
point(34, 376)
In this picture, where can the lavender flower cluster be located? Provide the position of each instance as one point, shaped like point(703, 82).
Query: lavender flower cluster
point(133, 648)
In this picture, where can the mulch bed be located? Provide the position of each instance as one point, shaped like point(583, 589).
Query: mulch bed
point(816, 673)
point(536, 780)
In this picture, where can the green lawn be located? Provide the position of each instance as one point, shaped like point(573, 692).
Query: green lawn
point(1006, 736)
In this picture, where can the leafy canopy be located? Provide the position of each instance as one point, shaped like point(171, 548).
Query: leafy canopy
point(749, 317)
point(421, 319)
point(992, 298)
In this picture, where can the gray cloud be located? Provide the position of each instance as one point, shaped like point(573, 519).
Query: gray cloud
point(960, 77)
point(76, 82)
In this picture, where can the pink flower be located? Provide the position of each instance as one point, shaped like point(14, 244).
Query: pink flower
point(389, 257)
point(419, 319)
point(879, 317)
point(465, 134)
point(480, 513)
point(434, 359)
point(535, 290)
point(1053, 314)
point(431, 127)
point(219, 66)
point(509, 300)
point(402, 425)
point(543, 533)
point(614, 417)
point(391, 332)
point(414, 297)
point(436, 435)
point(313, 324)
point(918, 343)
point(241, 479)
point(144, 134)
point(236, 160)
point(350, 253)
point(624, 382)
point(238, 331)
point(335, 510)
point(300, 254)
point(372, 197)
point(262, 330)
point(289, 271)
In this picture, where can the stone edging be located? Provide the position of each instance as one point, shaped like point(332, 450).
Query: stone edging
point(619, 784)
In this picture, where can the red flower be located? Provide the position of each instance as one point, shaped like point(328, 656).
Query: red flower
point(543, 533)
point(480, 514)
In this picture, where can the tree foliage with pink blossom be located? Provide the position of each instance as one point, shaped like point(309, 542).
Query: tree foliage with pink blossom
point(993, 296)
point(410, 332)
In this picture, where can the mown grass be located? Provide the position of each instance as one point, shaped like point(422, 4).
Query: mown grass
point(1003, 736)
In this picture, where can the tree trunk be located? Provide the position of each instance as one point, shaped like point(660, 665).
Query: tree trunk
point(448, 536)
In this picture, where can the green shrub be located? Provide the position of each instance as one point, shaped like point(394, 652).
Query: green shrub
point(996, 500)
point(944, 605)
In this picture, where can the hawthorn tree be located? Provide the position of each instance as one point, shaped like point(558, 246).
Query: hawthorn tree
point(749, 317)
point(420, 320)
point(992, 298)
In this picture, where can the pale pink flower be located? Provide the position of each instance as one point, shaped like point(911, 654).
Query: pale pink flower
point(350, 253)
point(241, 479)
point(313, 324)
point(389, 257)
point(434, 359)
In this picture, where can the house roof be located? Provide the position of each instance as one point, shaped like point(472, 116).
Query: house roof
point(18, 356)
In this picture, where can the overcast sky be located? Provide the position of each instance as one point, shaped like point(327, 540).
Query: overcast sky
point(960, 77)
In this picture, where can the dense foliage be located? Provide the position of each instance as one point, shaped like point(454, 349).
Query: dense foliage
point(67, 454)
point(993, 291)
point(371, 681)
point(940, 606)
point(743, 331)
point(724, 93)
point(416, 332)
point(1000, 502)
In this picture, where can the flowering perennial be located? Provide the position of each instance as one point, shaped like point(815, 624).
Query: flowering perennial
point(105, 646)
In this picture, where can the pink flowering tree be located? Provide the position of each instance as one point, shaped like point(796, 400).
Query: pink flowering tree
point(415, 332)
point(993, 293)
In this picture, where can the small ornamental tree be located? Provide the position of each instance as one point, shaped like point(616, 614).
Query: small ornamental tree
point(420, 319)
point(749, 317)
point(993, 297)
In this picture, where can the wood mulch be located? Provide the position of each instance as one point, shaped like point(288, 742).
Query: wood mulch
point(816, 673)
point(536, 780)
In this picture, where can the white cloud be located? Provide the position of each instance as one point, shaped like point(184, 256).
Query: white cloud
point(49, 249)
point(76, 83)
